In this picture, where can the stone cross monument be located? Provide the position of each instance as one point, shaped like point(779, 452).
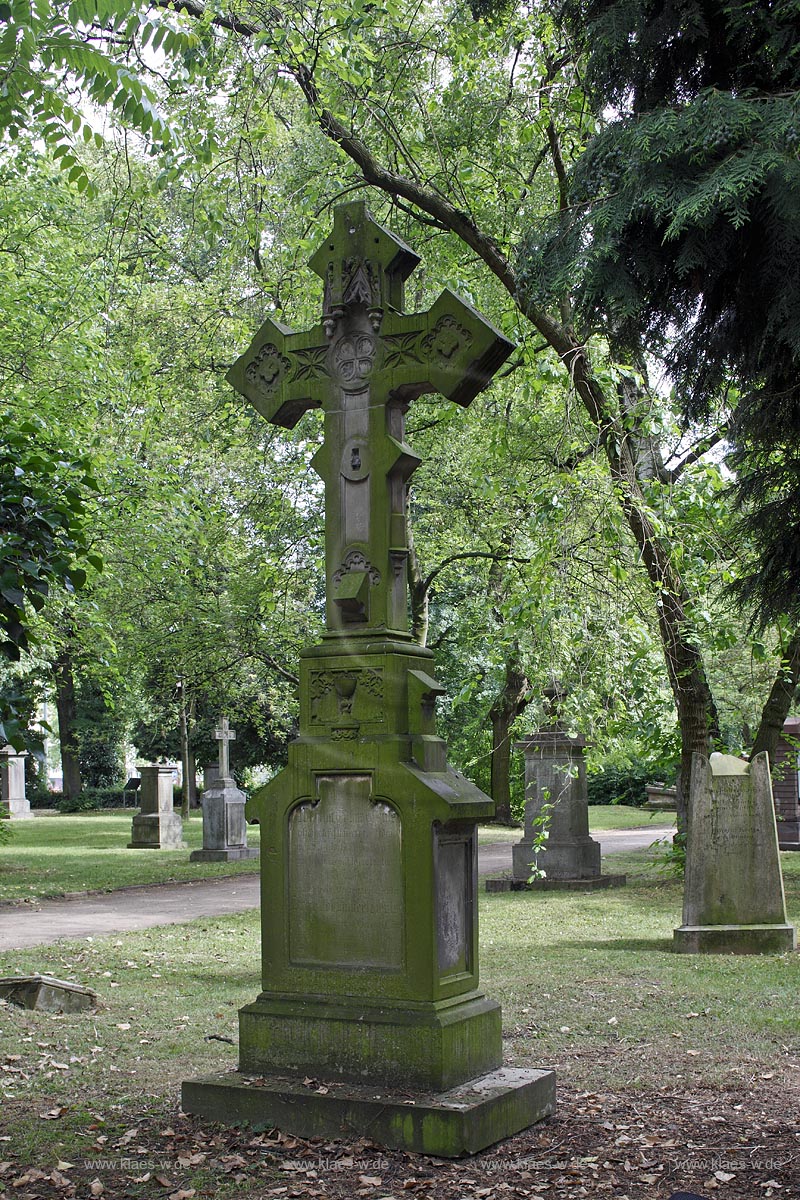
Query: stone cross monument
point(224, 824)
point(369, 847)
point(224, 735)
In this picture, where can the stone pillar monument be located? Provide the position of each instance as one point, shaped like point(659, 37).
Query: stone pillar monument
point(13, 802)
point(555, 775)
point(157, 826)
point(369, 846)
point(224, 825)
point(733, 901)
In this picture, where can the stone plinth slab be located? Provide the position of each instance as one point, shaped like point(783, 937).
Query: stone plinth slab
point(733, 899)
point(46, 994)
point(232, 854)
point(735, 939)
point(448, 1124)
point(432, 1047)
point(597, 883)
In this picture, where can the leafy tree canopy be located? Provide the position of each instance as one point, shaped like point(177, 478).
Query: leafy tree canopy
point(681, 234)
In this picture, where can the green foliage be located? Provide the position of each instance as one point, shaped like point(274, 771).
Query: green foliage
point(101, 742)
point(620, 780)
point(682, 234)
point(89, 799)
point(43, 42)
point(43, 498)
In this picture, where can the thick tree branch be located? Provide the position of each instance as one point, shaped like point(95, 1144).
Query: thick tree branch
point(695, 454)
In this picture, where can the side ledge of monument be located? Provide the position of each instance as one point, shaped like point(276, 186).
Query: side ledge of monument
point(450, 1124)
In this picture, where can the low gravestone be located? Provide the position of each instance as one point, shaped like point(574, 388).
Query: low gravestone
point(224, 824)
point(660, 798)
point(157, 826)
point(13, 801)
point(46, 994)
point(555, 774)
point(733, 896)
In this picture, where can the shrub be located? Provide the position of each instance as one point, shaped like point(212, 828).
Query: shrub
point(92, 799)
point(625, 783)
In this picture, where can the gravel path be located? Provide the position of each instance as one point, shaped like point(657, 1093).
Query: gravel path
point(46, 921)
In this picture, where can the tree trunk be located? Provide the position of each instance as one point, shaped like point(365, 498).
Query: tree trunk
point(67, 734)
point(186, 779)
point(513, 699)
point(783, 692)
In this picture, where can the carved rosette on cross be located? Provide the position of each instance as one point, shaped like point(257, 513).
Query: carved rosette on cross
point(369, 931)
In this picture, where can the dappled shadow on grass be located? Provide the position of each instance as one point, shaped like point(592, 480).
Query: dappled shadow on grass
point(639, 945)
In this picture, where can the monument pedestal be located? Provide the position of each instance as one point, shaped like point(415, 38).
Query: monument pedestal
point(556, 799)
point(733, 901)
point(14, 805)
point(157, 826)
point(224, 825)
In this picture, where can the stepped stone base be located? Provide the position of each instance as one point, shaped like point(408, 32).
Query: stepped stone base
point(735, 939)
point(596, 884)
point(232, 854)
point(448, 1124)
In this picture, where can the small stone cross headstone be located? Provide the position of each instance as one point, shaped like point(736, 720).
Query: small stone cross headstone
point(369, 868)
point(733, 900)
point(224, 824)
point(224, 735)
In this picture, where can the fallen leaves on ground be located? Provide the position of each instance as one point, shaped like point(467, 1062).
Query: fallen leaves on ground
point(603, 1145)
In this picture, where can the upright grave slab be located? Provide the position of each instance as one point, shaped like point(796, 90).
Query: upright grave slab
point(157, 826)
point(369, 847)
point(14, 804)
point(224, 824)
point(733, 900)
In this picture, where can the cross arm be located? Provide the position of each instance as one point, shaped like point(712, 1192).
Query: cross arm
point(282, 372)
point(451, 349)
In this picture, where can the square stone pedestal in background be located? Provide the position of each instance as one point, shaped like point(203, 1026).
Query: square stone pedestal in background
point(13, 801)
point(555, 775)
point(157, 826)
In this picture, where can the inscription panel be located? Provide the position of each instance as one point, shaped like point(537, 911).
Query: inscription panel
point(345, 878)
point(453, 865)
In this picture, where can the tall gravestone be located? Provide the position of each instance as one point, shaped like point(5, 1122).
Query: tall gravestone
point(733, 893)
point(157, 826)
point(14, 804)
point(224, 824)
point(786, 784)
point(369, 847)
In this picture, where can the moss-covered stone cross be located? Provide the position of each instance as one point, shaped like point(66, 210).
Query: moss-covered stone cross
point(363, 365)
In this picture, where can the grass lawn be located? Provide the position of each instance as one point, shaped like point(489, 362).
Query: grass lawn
point(655, 1052)
point(49, 856)
point(53, 855)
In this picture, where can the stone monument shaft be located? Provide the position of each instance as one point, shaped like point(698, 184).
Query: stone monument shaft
point(368, 837)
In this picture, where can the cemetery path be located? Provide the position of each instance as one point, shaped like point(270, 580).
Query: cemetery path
point(46, 921)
